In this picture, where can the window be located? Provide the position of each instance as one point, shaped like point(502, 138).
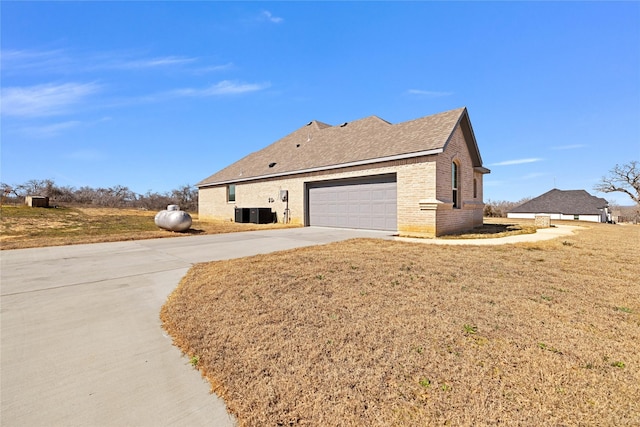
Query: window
point(455, 179)
point(475, 188)
point(231, 193)
point(576, 217)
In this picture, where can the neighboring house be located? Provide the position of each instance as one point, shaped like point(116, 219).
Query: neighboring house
point(418, 178)
point(567, 205)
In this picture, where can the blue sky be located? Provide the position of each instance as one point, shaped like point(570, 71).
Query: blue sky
point(155, 95)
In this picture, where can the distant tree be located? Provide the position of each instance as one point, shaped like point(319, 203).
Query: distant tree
point(117, 196)
point(65, 194)
point(155, 201)
point(186, 197)
point(36, 187)
point(500, 208)
point(5, 192)
point(84, 195)
point(622, 179)
point(6, 188)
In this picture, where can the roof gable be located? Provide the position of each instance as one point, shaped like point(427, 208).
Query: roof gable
point(568, 202)
point(318, 146)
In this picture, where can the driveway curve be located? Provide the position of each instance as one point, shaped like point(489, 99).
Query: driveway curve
point(81, 340)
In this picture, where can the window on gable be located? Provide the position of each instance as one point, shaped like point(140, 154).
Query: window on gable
point(231, 193)
point(455, 182)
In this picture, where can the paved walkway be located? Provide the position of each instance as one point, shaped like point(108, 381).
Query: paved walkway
point(81, 341)
point(539, 235)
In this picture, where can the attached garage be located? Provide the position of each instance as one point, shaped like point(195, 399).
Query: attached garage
point(367, 203)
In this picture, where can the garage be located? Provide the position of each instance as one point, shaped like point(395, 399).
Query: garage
point(367, 203)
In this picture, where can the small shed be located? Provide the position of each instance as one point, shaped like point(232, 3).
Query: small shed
point(36, 201)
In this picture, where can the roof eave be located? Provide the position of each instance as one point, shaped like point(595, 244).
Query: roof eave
point(325, 168)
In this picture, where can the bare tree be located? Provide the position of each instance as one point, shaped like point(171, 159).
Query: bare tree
point(5, 191)
point(500, 208)
point(118, 196)
point(623, 179)
point(187, 197)
point(152, 200)
point(6, 188)
point(36, 187)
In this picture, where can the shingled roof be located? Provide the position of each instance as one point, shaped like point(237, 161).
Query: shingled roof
point(568, 202)
point(319, 146)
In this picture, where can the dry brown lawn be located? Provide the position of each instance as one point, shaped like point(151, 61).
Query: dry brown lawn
point(383, 333)
point(25, 227)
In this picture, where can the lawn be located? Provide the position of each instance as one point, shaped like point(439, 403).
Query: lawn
point(25, 227)
point(385, 333)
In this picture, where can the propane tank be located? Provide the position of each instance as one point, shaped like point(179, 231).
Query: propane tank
point(173, 219)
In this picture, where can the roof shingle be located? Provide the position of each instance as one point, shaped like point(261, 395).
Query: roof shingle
point(318, 145)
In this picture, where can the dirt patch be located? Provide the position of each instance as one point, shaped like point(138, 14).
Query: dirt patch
point(383, 333)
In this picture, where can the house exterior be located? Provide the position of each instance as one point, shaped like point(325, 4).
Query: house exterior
point(419, 178)
point(564, 205)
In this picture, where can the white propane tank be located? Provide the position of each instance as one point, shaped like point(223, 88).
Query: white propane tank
point(173, 219)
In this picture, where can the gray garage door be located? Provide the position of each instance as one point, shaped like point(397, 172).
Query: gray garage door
point(368, 204)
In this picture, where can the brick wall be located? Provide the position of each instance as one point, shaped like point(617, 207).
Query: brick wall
point(469, 214)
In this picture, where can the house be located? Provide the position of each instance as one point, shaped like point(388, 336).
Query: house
point(418, 178)
point(564, 204)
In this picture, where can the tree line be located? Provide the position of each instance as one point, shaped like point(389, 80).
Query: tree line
point(186, 196)
point(622, 178)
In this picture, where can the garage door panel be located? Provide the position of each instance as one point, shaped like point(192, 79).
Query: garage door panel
point(379, 195)
point(367, 205)
point(390, 210)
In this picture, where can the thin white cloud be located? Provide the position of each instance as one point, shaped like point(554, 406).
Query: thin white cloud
point(428, 93)
point(45, 99)
point(63, 62)
point(269, 17)
point(568, 147)
point(213, 68)
point(517, 162)
point(225, 87)
point(119, 63)
point(23, 60)
point(51, 130)
point(54, 129)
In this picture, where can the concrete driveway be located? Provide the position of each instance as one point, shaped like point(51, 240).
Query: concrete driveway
point(81, 341)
